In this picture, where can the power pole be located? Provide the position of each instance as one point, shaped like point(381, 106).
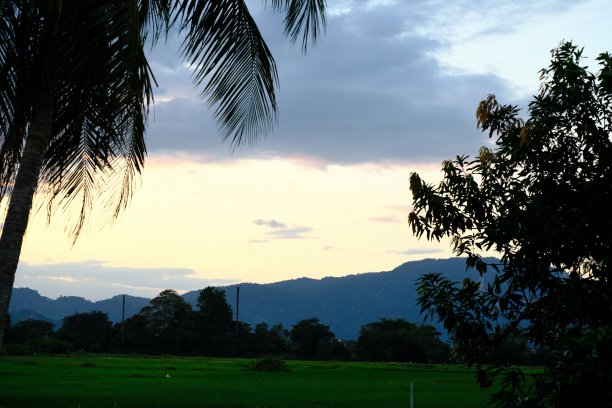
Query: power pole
point(237, 307)
point(123, 324)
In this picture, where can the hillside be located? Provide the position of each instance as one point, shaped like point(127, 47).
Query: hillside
point(344, 303)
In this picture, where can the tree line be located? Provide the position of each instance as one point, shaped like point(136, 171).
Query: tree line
point(169, 325)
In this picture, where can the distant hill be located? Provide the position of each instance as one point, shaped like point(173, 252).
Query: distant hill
point(27, 303)
point(344, 303)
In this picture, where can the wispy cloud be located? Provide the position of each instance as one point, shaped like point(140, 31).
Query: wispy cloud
point(385, 219)
point(290, 233)
point(270, 223)
point(280, 230)
point(417, 251)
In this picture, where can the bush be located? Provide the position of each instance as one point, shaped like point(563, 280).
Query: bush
point(270, 364)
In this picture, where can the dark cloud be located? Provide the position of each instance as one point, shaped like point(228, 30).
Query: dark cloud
point(370, 91)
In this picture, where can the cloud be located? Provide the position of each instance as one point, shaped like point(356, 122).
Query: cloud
point(279, 230)
point(418, 251)
point(96, 280)
point(270, 223)
point(390, 82)
point(370, 91)
point(290, 233)
point(385, 219)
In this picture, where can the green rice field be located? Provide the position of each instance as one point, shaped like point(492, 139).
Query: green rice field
point(111, 381)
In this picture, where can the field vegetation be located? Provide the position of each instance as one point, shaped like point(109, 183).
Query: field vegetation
point(90, 381)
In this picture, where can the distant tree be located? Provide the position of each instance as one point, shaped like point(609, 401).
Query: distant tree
point(541, 199)
point(33, 336)
point(241, 343)
point(400, 340)
point(311, 339)
point(90, 331)
point(214, 310)
point(30, 329)
point(514, 351)
point(139, 336)
point(215, 320)
point(170, 321)
point(272, 341)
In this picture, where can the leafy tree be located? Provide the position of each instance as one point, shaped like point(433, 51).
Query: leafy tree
point(90, 331)
point(271, 340)
point(215, 320)
point(541, 199)
point(30, 329)
point(400, 340)
point(138, 335)
point(213, 309)
point(311, 339)
point(241, 343)
point(75, 88)
point(514, 351)
point(34, 336)
point(170, 322)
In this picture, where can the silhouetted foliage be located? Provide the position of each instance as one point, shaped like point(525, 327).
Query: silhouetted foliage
point(170, 321)
point(400, 340)
point(514, 351)
point(541, 198)
point(271, 340)
point(311, 339)
point(34, 336)
point(138, 335)
point(90, 332)
point(270, 364)
point(168, 325)
point(214, 319)
point(31, 329)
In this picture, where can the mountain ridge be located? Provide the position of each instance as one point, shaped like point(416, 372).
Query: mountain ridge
point(344, 303)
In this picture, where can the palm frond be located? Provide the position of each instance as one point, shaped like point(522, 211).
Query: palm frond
point(305, 17)
point(19, 25)
point(226, 50)
point(97, 149)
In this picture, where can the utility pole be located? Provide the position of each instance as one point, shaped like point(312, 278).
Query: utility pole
point(237, 307)
point(123, 324)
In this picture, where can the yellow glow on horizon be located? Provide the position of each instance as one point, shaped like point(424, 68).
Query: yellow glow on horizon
point(338, 220)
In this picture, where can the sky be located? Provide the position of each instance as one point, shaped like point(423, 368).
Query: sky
point(390, 89)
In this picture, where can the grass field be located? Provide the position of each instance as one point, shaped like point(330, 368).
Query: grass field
point(109, 382)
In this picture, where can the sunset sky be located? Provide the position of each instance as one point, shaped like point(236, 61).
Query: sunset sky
point(391, 89)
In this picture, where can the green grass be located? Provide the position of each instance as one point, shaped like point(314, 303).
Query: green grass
point(99, 381)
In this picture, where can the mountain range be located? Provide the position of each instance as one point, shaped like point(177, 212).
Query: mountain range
point(344, 303)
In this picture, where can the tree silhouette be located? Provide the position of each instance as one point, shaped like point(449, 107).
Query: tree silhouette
point(400, 340)
point(214, 317)
point(90, 331)
point(312, 339)
point(170, 322)
point(541, 198)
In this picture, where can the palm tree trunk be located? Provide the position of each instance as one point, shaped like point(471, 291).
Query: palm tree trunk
point(20, 203)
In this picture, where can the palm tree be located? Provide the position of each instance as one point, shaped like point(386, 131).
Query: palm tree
point(75, 88)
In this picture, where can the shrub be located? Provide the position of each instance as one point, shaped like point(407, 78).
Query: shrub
point(270, 364)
